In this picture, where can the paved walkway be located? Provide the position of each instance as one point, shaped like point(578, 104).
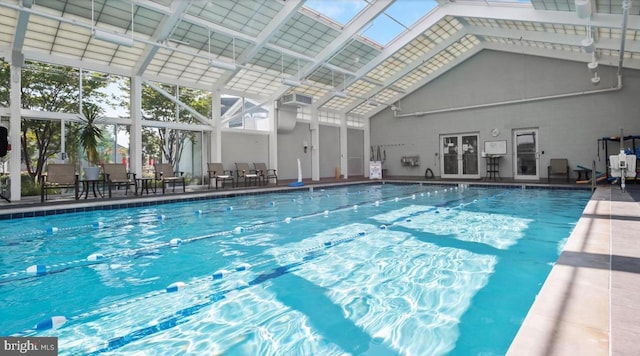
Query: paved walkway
point(589, 304)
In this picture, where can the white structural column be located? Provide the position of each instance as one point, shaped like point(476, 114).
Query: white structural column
point(315, 145)
point(14, 132)
point(273, 138)
point(367, 146)
point(135, 136)
point(215, 147)
point(344, 151)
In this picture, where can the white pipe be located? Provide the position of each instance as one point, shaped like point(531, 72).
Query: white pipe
point(511, 102)
point(626, 4)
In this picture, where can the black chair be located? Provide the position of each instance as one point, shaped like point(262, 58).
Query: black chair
point(166, 175)
point(115, 175)
point(558, 167)
point(217, 173)
point(265, 174)
point(248, 176)
point(59, 176)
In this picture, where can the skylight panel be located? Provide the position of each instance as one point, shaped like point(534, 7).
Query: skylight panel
point(396, 19)
point(340, 11)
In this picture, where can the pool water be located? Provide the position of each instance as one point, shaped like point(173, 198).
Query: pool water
point(373, 269)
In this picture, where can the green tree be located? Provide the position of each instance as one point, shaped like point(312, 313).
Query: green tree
point(49, 88)
point(161, 142)
point(171, 142)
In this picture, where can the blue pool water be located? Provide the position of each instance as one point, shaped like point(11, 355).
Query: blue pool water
point(364, 270)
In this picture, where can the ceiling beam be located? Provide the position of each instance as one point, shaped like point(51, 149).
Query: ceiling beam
point(555, 38)
point(347, 35)
point(528, 13)
point(17, 58)
point(426, 80)
point(564, 55)
point(161, 33)
point(285, 14)
point(411, 67)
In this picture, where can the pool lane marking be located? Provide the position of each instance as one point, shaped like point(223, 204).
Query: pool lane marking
point(231, 270)
point(49, 230)
point(39, 270)
point(214, 277)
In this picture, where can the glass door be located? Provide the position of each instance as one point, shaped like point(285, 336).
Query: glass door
point(527, 157)
point(459, 156)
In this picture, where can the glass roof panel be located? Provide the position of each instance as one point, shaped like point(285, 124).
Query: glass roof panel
point(340, 11)
point(397, 18)
point(386, 96)
point(317, 91)
point(355, 55)
point(305, 35)
point(360, 88)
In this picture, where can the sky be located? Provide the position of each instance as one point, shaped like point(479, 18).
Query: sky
point(396, 18)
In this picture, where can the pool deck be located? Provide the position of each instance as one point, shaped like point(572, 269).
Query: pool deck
point(589, 304)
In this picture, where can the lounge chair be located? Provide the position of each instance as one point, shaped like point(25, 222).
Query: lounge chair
point(265, 173)
point(558, 167)
point(59, 176)
point(245, 174)
point(217, 173)
point(115, 175)
point(166, 175)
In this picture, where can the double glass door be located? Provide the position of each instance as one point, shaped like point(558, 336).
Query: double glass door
point(459, 156)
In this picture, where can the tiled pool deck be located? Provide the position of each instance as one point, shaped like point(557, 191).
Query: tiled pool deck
point(589, 304)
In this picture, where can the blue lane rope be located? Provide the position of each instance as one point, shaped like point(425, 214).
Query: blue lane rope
point(58, 321)
point(41, 270)
point(176, 286)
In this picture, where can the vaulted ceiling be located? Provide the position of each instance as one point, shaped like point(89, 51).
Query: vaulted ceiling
point(247, 47)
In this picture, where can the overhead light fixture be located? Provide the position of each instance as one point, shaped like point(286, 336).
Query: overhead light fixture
point(220, 64)
point(583, 8)
point(291, 82)
point(113, 37)
point(588, 45)
point(340, 94)
point(223, 65)
point(372, 103)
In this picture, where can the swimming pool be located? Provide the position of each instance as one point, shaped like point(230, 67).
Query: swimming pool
point(376, 269)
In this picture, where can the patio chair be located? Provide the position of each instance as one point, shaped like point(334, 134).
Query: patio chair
point(115, 175)
point(245, 174)
point(265, 173)
point(558, 167)
point(59, 176)
point(217, 173)
point(165, 174)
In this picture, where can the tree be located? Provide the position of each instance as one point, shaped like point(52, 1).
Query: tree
point(49, 88)
point(160, 108)
point(168, 143)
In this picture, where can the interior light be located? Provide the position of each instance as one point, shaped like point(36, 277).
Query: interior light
point(223, 65)
point(588, 45)
point(583, 8)
point(340, 94)
point(113, 37)
point(291, 82)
